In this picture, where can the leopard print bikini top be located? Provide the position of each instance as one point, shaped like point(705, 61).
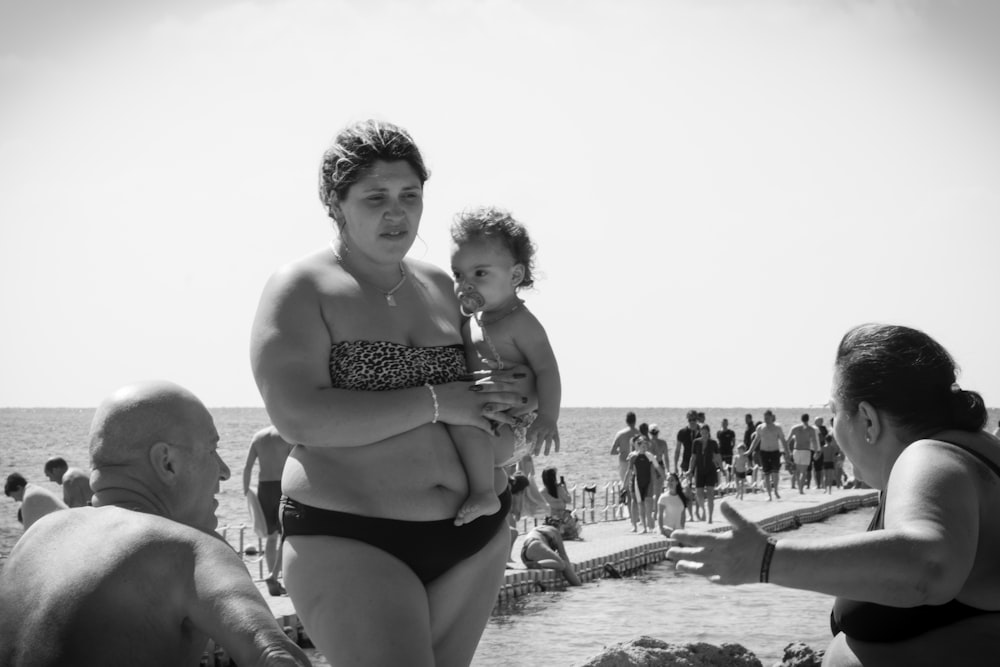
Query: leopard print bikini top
point(364, 365)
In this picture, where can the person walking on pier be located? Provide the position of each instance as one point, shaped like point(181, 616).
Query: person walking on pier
point(726, 438)
point(140, 578)
point(817, 468)
point(641, 472)
point(685, 438)
point(770, 439)
point(804, 445)
point(622, 445)
point(269, 450)
point(705, 464)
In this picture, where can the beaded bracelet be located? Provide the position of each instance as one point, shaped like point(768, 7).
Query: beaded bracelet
point(434, 397)
point(765, 564)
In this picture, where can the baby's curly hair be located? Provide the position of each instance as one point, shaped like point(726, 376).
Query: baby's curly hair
point(495, 224)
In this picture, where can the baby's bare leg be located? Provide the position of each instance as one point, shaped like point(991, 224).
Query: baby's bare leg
point(475, 448)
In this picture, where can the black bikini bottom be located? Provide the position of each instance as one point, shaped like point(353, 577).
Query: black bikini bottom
point(429, 548)
point(871, 622)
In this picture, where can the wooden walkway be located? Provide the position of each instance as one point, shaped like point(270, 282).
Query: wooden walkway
point(614, 543)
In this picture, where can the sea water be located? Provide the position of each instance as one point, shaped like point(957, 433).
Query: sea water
point(29, 436)
point(568, 627)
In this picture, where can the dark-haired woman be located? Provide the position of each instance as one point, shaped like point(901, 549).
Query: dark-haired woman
point(557, 496)
point(671, 506)
point(922, 586)
point(357, 351)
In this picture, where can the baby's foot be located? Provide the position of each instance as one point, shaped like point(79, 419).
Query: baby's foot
point(482, 503)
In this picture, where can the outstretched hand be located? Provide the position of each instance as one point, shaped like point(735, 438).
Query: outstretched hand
point(733, 557)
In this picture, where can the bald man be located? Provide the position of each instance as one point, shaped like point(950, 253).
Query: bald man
point(139, 578)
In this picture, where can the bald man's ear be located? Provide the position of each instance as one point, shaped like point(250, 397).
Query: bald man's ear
point(161, 458)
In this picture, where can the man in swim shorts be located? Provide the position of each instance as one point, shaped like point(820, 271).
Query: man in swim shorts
point(685, 439)
point(770, 439)
point(140, 578)
point(804, 445)
point(726, 438)
point(622, 446)
point(74, 482)
point(270, 450)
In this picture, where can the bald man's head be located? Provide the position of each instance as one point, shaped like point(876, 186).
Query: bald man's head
point(135, 417)
point(155, 444)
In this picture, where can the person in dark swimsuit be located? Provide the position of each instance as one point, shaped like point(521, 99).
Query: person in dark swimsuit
point(705, 463)
point(642, 467)
point(921, 587)
point(357, 352)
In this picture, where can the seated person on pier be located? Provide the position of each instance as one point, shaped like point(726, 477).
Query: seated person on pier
point(671, 506)
point(921, 587)
point(557, 496)
point(139, 578)
point(543, 550)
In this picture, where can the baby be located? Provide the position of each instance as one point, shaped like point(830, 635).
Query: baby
point(491, 260)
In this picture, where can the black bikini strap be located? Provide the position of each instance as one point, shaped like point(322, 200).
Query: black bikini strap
point(988, 462)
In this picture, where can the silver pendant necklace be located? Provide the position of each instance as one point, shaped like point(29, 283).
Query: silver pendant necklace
point(390, 300)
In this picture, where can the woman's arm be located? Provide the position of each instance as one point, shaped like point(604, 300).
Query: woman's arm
point(923, 556)
point(290, 348)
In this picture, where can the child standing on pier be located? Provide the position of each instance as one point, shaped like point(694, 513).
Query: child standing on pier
point(492, 260)
point(740, 470)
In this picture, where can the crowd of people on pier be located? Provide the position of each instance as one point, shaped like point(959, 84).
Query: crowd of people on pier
point(706, 467)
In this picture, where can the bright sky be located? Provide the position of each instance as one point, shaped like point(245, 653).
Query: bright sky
point(718, 189)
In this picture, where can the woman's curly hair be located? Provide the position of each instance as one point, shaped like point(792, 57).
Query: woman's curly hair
point(355, 149)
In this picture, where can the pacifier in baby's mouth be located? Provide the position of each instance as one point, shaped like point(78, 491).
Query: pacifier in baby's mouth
point(471, 302)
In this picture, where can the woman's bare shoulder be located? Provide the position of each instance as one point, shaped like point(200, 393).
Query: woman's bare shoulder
point(306, 269)
point(958, 445)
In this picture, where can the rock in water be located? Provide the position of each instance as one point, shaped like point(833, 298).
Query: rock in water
point(649, 652)
point(798, 654)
